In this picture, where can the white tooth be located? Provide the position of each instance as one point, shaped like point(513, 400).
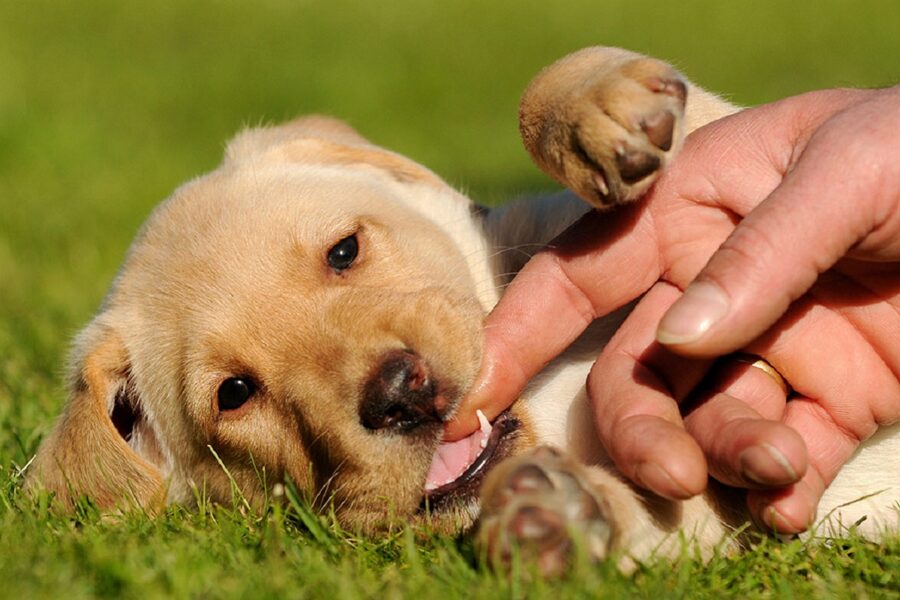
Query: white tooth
point(430, 486)
point(485, 424)
point(483, 443)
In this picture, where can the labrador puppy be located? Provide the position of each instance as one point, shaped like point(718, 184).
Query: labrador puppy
point(311, 310)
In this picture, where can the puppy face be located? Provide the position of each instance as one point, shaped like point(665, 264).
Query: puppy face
point(299, 313)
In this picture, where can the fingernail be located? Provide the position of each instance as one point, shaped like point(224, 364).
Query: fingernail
point(702, 306)
point(796, 511)
point(766, 465)
point(657, 480)
point(775, 521)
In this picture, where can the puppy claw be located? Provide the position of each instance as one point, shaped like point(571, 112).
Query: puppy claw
point(670, 86)
point(538, 525)
point(529, 479)
point(660, 129)
point(600, 184)
point(635, 165)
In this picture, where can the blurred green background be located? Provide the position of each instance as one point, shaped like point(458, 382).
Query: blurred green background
point(106, 106)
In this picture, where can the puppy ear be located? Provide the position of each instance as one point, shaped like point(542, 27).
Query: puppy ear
point(256, 141)
point(323, 140)
point(86, 454)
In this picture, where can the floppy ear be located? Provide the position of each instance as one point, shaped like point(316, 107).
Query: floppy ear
point(323, 140)
point(86, 454)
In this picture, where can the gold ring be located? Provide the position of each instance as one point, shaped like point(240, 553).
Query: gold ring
point(763, 365)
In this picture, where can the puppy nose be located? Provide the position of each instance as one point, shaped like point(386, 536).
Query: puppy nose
point(401, 394)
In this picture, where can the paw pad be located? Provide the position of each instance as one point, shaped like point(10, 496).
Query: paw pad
point(540, 507)
point(609, 135)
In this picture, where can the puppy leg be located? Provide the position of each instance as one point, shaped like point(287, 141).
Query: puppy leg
point(543, 505)
point(605, 122)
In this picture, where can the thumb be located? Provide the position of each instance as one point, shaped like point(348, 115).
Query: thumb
point(840, 195)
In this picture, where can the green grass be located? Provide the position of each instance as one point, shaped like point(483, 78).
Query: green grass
point(288, 552)
point(106, 106)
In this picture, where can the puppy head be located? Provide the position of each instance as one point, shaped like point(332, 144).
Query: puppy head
point(304, 311)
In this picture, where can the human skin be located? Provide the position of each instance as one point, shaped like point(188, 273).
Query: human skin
point(776, 231)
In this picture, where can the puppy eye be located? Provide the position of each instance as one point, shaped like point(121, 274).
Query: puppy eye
point(342, 254)
point(234, 392)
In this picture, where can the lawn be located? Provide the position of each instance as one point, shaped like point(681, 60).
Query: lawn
point(105, 107)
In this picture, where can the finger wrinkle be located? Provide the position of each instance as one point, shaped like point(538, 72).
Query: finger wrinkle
point(655, 235)
point(647, 375)
point(627, 401)
point(577, 297)
point(849, 435)
point(647, 379)
point(685, 256)
point(881, 348)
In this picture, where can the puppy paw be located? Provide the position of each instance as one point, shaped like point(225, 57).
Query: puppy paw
point(540, 508)
point(603, 124)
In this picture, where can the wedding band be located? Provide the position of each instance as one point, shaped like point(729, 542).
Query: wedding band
point(763, 365)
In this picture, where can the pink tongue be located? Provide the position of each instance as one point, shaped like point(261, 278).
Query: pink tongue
point(453, 458)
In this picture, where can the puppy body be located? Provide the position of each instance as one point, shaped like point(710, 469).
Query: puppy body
point(231, 278)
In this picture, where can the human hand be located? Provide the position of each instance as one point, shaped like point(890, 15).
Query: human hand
point(797, 203)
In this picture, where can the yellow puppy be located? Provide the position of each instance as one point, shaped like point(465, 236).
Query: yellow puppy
point(312, 310)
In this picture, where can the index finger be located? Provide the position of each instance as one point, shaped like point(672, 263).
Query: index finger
point(559, 292)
